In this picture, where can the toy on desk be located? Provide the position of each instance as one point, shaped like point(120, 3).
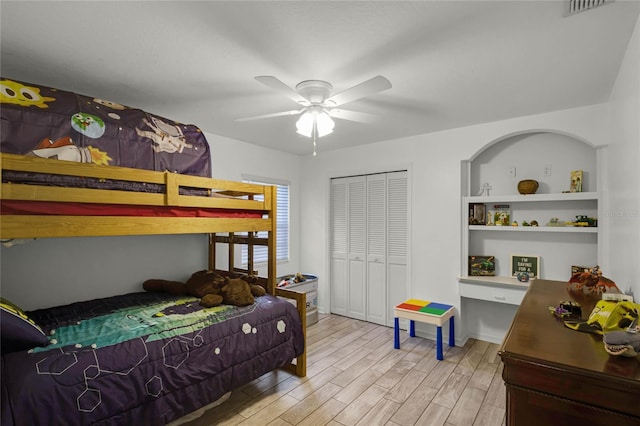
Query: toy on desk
point(623, 343)
point(591, 283)
point(566, 309)
point(609, 316)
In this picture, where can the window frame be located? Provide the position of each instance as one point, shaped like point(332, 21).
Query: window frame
point(282, 224)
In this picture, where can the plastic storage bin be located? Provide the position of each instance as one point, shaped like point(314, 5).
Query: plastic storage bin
point(310, 287)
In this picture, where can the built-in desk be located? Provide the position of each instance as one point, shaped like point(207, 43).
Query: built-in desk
point(558, 376)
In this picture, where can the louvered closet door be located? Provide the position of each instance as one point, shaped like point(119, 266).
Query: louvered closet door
point(369, 245)
point(357, 228)
point(376, 249)
point(338, 235)
point(397, 241)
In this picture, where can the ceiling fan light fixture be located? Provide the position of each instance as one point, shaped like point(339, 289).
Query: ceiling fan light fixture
point(320, 120)
point(324, 124)
point(305, 124)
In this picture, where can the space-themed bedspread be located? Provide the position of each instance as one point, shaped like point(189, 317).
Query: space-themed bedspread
point(143, 358)
point(50, 123)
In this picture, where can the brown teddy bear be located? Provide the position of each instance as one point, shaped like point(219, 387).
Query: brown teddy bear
point(165, 286)
point(204, 282)
point(256, 289)
point(236, 291)
point(211, 300)
point(211, 288)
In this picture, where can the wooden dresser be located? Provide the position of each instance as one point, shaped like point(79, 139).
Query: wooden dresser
point(558, 376)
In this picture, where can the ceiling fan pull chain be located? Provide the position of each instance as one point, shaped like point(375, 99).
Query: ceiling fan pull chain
point(315, 134)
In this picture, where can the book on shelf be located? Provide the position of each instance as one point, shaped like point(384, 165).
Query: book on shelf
point(477, 214)
point(501, 214)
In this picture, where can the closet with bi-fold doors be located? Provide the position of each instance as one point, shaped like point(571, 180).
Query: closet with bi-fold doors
point(369, 245)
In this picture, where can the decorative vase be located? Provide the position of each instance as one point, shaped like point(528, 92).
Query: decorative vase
point(528, 186)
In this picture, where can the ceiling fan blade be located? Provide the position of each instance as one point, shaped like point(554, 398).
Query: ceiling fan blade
point(345, 114)
point(275, 114)
point(278, 85)
point(366, 88)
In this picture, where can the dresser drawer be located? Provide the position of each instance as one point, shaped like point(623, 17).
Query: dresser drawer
point(492, 293)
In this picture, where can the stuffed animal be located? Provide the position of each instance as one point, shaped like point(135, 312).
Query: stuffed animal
point(236, 291)
point(165, 286)
point(211, 288)
point(204, 282)
point(256, 289)
point(211, 300)
point(591, 283)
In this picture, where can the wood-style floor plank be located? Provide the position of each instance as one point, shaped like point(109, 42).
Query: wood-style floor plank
point(356, 377)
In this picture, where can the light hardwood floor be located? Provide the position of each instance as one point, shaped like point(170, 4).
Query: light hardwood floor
point(356, 377)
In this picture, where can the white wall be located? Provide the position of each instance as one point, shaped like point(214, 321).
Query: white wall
point(624, 174)
point(434, 162)
point(51, 272)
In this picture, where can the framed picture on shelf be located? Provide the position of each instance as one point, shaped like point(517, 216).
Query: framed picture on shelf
point(525, 263)
point(482, 266)
point(477, 214)
point(576, 181)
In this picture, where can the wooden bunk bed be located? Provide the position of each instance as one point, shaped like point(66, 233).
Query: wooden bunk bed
point(36, 210)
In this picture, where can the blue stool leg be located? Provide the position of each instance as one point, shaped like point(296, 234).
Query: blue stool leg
point(412, 328)
point(439, 355)
point(396, 334)
point(452, 335)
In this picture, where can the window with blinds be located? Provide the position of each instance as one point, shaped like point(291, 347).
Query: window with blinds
point(282, 223)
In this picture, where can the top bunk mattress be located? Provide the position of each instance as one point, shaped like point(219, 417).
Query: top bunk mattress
point(50, 123)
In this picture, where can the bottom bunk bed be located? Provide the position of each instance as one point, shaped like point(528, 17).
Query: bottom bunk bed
point(151, 358)
point(141, 358)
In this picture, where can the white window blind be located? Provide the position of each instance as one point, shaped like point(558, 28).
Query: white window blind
point(282, 223)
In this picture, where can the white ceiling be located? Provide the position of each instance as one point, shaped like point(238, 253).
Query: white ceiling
point(451, 63)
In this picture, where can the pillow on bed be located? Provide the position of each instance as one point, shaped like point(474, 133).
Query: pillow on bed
point(18, 331)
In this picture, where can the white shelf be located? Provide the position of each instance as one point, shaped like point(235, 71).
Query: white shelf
point(495, 280)
point(518, 198)
point(575, 229)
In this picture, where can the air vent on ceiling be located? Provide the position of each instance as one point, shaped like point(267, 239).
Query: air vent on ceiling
point(577, 6)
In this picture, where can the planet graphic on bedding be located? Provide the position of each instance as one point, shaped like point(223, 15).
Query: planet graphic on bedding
point(87, 124)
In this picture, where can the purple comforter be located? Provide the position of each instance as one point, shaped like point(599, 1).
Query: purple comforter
point(143, 358)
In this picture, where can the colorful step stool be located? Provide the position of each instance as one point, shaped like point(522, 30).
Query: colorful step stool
point(427, 312)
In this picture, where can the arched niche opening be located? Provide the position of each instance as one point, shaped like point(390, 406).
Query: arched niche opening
point(546, 156)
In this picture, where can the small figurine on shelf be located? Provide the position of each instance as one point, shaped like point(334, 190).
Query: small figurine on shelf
point(490, 218)
point(534, 223)
point(484, 188)
point(554, 221)
point(582, 220)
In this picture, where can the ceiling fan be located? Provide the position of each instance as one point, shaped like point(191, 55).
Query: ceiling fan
point(319, 104)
